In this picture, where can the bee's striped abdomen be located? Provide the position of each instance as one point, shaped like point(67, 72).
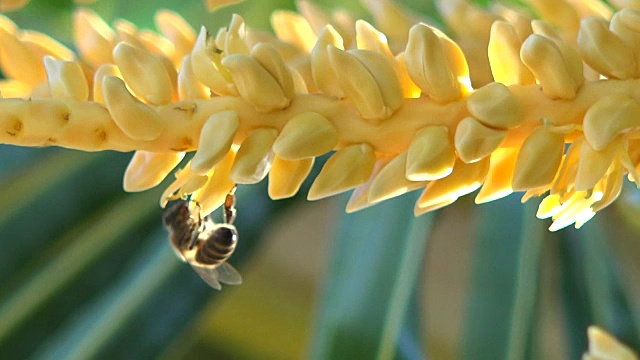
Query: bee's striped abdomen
point(218, 246)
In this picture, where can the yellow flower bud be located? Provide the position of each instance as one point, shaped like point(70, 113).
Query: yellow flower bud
point(430, 156)
point(538, 160)
point(254, 157)
point(286, 176)
point(346, 169)
point(216, 138)
point(475, 141)
point(306, 135)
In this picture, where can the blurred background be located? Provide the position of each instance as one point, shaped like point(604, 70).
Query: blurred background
point(86, 270)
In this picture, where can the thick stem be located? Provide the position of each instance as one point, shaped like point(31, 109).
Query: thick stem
point(88, 126)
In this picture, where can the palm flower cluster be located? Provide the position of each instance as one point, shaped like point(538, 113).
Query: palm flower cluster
point(403, 105)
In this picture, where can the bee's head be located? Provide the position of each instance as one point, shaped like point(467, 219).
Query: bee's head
point(176, 213)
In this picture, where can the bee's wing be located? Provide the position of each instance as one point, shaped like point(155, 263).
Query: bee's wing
point(228, 275)
point(209, 275)
point(177, 251)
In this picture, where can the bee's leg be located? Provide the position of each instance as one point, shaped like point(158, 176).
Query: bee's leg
point(195, 211)
point(197, 221)
point(230, 207)
point(194, 238)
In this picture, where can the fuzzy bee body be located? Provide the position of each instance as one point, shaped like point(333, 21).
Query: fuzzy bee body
point(218, 246)
point(183, 228)
point(206, 246)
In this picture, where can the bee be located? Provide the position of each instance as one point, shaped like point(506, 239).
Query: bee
point(203, 244)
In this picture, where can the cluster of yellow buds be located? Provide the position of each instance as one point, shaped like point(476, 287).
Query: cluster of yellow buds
point(399, 110)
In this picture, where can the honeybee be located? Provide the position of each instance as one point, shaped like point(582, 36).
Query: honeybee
point(203, 244)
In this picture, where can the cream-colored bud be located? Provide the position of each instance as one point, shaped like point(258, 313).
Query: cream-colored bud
point(316, 17)
point(391, 181)
point(611, 189)
point(177, 30)
point(409, 88)
point(299, 84)
point(494, 105)
point(216, 137)
point(18, 61)
point(288, 51)
point(417, 210)
point(369, 38)
point(609, 117)
point(145, 73)
point(384, 74)
point(103, 71)
point(189, 87)
point(323, 75)
point(541, 27)
point(516, 17)
point(306, 135)
point(543, 57)
point(626, 4)
point(41, 45)
point(17, 89)
point(626, 25)
point(391, 18)
point(254, 158)
point(270, 59)
point(194, 184)
point(346, 169)
point(602, 345)
point(147, 169)
point(368, 81)
point(126, 31)
point(431, 155)
point(66, 79)
point(359, 198)
point(475, 141)
point(293, 28)
point(8, 25)
point(255, 84)
point(12, 5)
point(286, 176)
point(504, 56)
point(234, 37)
point(435, 63)
point(467, 19)
point(160, 45)
point(206, 64)
point(214, 192)
point(345, 24)
point(93, 37)
point(302, 65)
point(548, 206)
point(566, 176)
point(135, 119)
point(604, 51)
point(498, 182)
point(464, 179)
point(185, 181)
point(221, 40)
point(570, 56)
point(213, 5)
point(538, 160)
point(574, 210)
point(559, 13)
point(593, 165)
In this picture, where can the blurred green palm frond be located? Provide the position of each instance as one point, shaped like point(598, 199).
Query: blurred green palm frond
point(86, 270)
